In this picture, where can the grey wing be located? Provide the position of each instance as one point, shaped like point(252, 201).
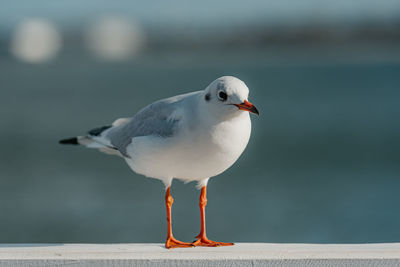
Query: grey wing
point(158, 119)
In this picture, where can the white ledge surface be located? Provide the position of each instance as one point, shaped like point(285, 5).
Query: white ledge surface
point(256, 254)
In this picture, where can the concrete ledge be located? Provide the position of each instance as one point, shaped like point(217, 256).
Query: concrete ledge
point(242, 254)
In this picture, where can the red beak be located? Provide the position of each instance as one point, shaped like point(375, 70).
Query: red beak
point(247, 106)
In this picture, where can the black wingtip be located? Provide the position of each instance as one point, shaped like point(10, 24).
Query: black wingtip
point(99, 130)
point(69, 141)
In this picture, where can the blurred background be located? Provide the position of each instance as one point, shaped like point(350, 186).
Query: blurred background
point(323, 162)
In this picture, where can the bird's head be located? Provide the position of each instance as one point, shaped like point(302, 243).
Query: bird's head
point(228, 96)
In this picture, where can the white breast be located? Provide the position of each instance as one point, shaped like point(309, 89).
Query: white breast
point(193, 155)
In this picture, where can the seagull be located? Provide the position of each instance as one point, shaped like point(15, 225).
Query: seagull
point(189, 137)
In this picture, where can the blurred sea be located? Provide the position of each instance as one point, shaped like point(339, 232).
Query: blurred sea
point(322, 165)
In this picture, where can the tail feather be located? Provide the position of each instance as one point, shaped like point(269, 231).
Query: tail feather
point(97, 139)
point(87, 141)
point(91, 142)
point(69, 141)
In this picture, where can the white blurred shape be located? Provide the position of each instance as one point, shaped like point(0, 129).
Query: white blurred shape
point(114, 38)
point(36, 40)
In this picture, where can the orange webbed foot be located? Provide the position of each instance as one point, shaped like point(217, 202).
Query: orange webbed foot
point(173, 243)
point(205, 242)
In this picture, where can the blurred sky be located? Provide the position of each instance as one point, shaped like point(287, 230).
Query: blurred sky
point(204, 13)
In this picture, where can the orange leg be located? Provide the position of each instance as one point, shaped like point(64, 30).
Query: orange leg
point(171, 241)
point(202, 237)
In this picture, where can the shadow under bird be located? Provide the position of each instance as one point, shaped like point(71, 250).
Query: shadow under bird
point(190, 137)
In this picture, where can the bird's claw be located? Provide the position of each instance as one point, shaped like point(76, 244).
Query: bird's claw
point(174, 243)
point(205, 242)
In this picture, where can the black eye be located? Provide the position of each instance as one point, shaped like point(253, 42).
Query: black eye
point(222, 95)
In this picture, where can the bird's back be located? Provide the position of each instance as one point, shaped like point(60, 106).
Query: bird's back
point(161, 118)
